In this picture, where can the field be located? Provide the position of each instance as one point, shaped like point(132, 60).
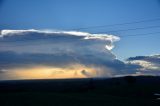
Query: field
point(123, 91)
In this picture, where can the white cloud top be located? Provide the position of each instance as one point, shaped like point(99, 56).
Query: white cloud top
point(62, 53)
point(59, 49)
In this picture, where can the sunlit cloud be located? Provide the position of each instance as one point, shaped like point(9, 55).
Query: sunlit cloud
point(150, 65)
point(81, 53)
point(49, 72)
point(52, 54)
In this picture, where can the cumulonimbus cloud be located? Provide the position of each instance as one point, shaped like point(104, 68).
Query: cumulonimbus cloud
point(25, 48)
point(60, 52)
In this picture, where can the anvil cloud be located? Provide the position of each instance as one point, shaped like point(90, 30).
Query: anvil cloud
point(60, 52)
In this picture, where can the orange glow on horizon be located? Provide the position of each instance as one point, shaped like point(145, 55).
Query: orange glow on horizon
point(46, 72)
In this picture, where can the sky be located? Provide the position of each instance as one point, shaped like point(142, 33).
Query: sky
point(73, 14)
point(111, 45)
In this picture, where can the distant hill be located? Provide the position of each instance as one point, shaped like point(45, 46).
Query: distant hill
point(129, 90)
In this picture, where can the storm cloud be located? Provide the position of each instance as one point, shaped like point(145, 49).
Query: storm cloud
point(64, 50)
point(26, 48)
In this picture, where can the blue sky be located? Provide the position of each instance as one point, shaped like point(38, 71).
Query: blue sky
point(72, 14)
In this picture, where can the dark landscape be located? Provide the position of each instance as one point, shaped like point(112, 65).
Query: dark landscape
point(122, 91)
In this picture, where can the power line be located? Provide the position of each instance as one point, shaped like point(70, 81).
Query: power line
point(121, 30)
point(119, 24)
point(142, 34)
point(139, 28)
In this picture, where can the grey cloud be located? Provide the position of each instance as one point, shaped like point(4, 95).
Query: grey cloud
point(25, 48)
point(10, 60)
point(148, 64)
point(154, 58)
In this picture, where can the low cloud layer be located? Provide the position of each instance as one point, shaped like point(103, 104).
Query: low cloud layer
point(62, 54)
point(149, 64)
